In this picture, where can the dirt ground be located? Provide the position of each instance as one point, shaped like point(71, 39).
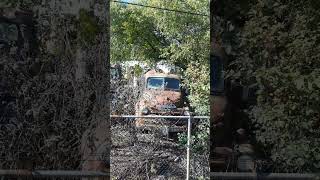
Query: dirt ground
point(151, 157)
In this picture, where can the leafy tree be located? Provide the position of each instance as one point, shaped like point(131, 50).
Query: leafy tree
point(182, 39)
point(133, 35)
point(277, 47)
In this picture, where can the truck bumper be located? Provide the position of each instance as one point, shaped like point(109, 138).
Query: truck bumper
point(163, 129)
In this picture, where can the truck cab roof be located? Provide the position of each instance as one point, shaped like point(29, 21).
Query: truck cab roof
point(154, 73)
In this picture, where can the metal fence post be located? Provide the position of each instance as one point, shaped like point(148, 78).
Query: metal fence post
point(188, 146)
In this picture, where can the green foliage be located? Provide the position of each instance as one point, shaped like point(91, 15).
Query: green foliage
point(182, 39)
point(199, 89)
point(279, 50)
point(187, 36)
point(198, 83)
point(133, 35)
point(152, 35)
point(137, 71)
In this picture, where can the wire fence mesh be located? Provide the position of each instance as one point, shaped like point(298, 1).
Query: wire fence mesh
point(150, 148)
point(153, 152)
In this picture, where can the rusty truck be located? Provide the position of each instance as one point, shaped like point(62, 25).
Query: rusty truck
point(162, 95)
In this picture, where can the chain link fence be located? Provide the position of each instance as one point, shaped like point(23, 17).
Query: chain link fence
point(144, 153)
point(148, 116)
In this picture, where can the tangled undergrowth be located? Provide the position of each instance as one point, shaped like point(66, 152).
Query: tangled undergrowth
point(45, 108)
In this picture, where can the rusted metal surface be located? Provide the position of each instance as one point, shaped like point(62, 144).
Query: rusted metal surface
point(161, 101)
point(155, 98)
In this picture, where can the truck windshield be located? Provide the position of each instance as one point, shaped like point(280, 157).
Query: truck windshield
point(163, 83)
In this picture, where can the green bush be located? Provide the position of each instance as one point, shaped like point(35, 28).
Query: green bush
point(279, 50)
point(199, 101)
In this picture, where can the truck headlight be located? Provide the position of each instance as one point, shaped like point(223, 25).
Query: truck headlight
point(145, 111)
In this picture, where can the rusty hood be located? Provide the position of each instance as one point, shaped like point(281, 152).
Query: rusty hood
point(155, 98)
